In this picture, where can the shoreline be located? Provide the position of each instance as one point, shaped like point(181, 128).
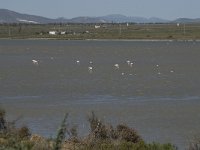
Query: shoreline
point(125, 40)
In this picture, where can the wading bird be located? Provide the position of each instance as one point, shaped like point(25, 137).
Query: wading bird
point(77, 62)
point(90, 69)
point(128, 62)
point(35, 62)
point(131, 65)
point(116, 66)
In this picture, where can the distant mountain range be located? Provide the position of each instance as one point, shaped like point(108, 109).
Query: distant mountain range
point(8, 16)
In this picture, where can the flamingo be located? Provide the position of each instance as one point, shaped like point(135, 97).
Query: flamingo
point(90, 69)
point(35, 62)
point(77, 62)
point(131, 65)
point(116, 66)
point(128, 62)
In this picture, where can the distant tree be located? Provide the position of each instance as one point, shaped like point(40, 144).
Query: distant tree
point(2, 120)
point(20, 28)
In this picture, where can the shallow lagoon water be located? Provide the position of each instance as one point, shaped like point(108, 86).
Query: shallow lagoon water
point(159, 96)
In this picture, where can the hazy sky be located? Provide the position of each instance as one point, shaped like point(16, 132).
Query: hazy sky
point(166, 9)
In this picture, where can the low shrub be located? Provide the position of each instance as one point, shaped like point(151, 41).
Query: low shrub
point(128, 134)
point(101, 137)
point(194, 144)
point(2, 120)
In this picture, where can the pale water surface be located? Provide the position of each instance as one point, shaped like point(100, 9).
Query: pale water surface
point(159, 96)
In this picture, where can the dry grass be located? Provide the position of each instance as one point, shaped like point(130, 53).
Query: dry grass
point(101, 137)
point(107, 31)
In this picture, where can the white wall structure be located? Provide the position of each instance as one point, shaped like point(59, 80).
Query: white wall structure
point(52, 32)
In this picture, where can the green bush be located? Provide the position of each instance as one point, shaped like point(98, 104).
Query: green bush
point(13, 138)
point(61, 134)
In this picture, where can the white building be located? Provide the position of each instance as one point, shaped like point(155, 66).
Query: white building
point(63, 32)
point(97, 27)
point(52, 32)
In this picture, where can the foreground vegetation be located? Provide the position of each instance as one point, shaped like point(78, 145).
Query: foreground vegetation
point(104, 31)
point(101, 137)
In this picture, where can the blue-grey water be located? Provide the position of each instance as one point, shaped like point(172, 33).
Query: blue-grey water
point(159, 95)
